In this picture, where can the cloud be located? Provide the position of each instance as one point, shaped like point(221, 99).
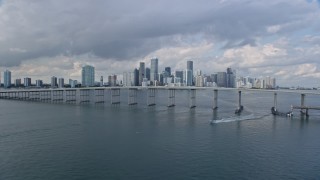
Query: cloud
point(115, 36)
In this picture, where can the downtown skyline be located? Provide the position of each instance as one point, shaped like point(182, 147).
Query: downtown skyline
point(259, 39)
point(148, 76)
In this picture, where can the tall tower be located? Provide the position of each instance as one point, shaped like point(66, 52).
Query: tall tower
point(61, 83)
point(142, 70)
point(88, 75)
point(154, 70)
point(101, 81)
point(54, 82)
point(168, 70)
point(189, 73)
point(7, 78)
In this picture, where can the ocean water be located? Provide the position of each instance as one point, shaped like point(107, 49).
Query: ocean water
point(63, 141)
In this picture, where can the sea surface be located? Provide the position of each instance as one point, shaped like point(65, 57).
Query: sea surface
point(65, 141)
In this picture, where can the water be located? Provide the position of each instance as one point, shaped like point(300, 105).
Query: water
point(60, 141)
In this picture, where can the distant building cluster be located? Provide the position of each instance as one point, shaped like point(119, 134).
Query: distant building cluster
point(150, 76)
point(144, 76)
point(257, 83)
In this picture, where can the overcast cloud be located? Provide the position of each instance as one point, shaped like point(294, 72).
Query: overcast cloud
point(44, 38)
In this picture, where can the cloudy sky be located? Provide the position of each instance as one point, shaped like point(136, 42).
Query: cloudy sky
point(279, 38)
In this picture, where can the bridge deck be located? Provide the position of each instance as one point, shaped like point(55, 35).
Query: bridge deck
point(306, 107)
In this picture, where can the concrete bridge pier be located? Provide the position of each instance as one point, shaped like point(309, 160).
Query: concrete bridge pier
point(192, 98)
point(92, 96)
point(302, 111)
point(132, 96)
point(240, 107)
point(275, 101)
point(171, 97)
point(151, 97)
point(215, 99)
point(78, 96)
point(84, 96)
point(99, 96)
point(115, 96)
point(70, 96)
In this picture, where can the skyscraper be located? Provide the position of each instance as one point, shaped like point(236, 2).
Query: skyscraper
point(7, 78)
point(222, 79)
point(190, 68)
point(39, 83)
point(112, 80)
point(135, 77)
point(230, 78)
point(154, 70)
point(141, 72)
point(101, 81)
point(61, 83)
point(188, 77)
point(148, 73)
point(168, 70)
point(27, 82)
point(88, 75)
point(190, 65)
point(17, 82)
point(54, 83)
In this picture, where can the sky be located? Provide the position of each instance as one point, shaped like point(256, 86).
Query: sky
point(277, 38)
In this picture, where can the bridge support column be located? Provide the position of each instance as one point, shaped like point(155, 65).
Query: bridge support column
point(192, 98)
point(275, 101)
point(92, 96)
point(115, 96)
point(215, 99)
point(151, 99)
point(99, 96)
point(171, 97)
point(64, 96)
point(240, 107)
point(302, 103)
point(132, 96)
point(78, 96)
point(52, 96)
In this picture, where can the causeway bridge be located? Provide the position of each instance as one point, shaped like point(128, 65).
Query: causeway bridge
point(95, 95)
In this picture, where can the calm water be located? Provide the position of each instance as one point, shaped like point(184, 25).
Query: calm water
point(59, 141)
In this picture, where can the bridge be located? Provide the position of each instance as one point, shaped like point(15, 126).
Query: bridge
point(95, 95)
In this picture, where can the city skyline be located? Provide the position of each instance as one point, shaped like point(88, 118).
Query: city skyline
point(265, 38)
point(146, 76)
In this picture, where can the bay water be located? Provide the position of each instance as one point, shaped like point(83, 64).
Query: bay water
point(64, 141)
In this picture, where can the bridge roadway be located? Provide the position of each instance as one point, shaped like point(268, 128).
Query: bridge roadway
point(97, 94)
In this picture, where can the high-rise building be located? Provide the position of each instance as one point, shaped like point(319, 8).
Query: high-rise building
point(127, 78)
point(112, 80)
point(88, 76)
point(230, 78)
point(148, 73)
point(39, 83)
point(168, 70)
point(61, 83)
point(73, 83)
point(214, 77)
point(7, 79)
point(135, 77)
point(27, 82)
point(101, 81)
point(141, 72)
point(190, 68)
point(190, 65)
point(154, 70)
point(17, 82)
point(54, 83)
point(188, 77)
point(222, 79)
point(199, 81)
point(179, 74)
